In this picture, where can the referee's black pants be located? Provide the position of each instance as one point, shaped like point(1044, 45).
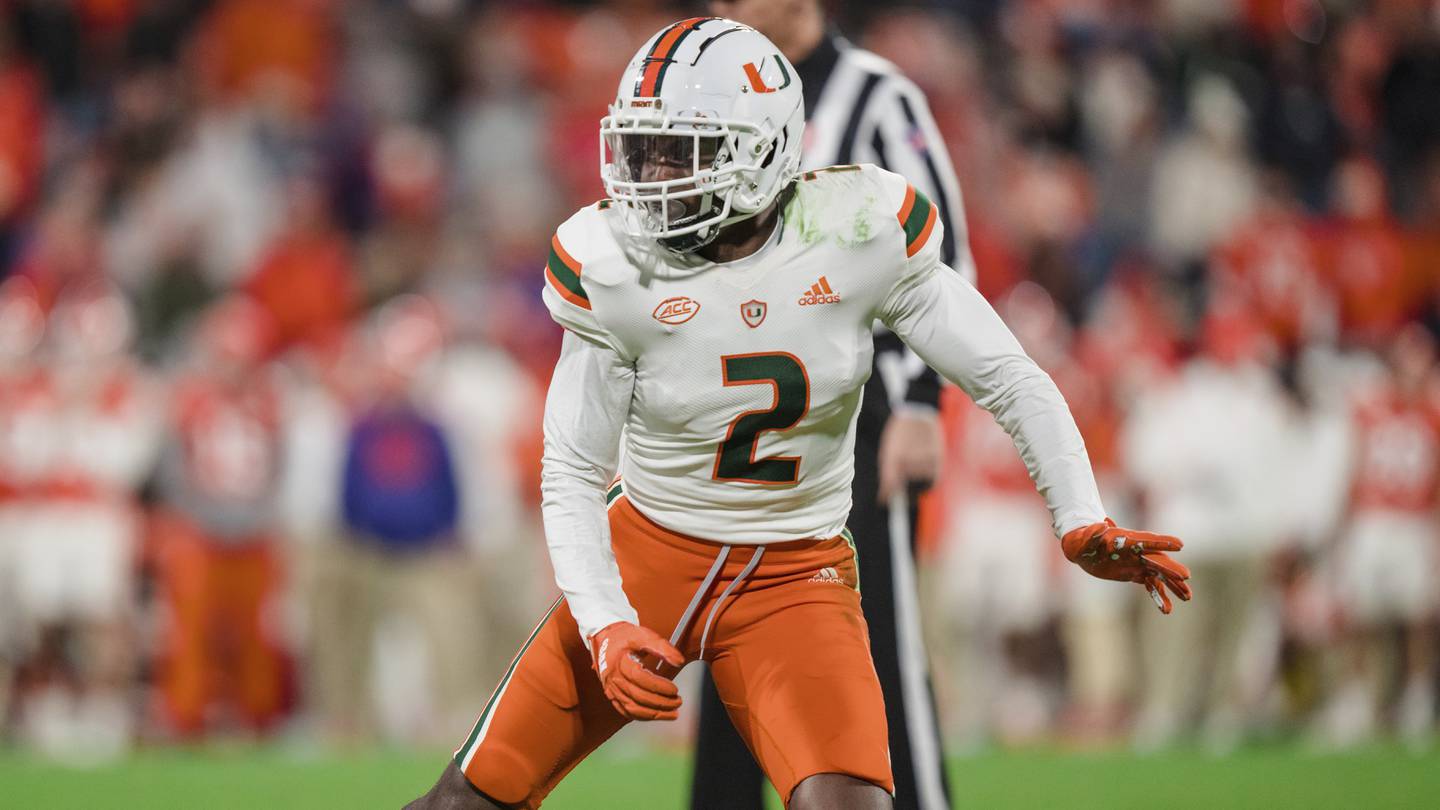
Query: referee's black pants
point(726, 776)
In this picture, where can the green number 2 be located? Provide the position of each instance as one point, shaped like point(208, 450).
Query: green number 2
point(786, 375)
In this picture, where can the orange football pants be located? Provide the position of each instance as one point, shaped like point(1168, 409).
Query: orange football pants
point(787, 646)
point(217, 649)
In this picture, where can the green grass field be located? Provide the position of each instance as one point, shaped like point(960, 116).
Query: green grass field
point(273, 779)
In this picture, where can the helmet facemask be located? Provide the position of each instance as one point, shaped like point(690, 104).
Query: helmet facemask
point(680, 178)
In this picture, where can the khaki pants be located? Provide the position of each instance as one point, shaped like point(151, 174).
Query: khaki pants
point(1193, 658)
point(357, 587)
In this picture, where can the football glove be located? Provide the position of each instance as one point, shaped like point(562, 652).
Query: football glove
point(634, 689)
point(1107, 551)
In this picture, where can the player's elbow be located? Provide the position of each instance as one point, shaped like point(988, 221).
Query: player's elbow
point(563, 476)
point(1012, 380)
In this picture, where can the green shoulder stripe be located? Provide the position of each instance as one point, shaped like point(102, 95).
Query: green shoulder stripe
point(564, 274)
point(915, 221)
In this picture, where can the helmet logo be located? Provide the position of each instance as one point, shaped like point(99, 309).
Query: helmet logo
point(752, 72)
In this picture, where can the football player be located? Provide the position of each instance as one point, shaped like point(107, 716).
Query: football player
point(1389, 548)
point(86, 438)
point(24, 404)
point(718, 310)
point(218, 560)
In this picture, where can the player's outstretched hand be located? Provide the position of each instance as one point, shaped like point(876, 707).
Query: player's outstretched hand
point(1107, 551)
point(618, 653)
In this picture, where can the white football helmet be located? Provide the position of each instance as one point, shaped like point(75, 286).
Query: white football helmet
point(705, 131)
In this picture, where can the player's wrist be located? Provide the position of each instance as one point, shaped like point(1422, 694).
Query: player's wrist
point(1075, 540)
point(597, 638)
point(594, 619)
point(916, 409)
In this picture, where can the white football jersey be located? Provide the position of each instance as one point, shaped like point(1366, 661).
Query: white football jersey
point(748, 374)
point(734, 388)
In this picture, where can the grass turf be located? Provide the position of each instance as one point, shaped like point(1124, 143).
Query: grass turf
point(276, 779)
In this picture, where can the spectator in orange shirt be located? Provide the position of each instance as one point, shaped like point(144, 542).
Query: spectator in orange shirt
point(22, 128)
point(284, 49)
point(1362, 252)
point(305, 280)
point(1272, 262)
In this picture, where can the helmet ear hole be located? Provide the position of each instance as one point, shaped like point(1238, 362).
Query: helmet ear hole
point(776, 146)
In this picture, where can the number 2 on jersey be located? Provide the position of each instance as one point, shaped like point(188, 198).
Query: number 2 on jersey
point(786, 375)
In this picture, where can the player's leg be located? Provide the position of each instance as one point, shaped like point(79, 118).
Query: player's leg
point(726, 776)
point(546, 715)
point(550, 711)
point(792, 664)
point(253, 582)
point(828, 790)
point(452, 791)
point(1362, 573)
point(184, 674)
point(96, 588)
point(1415, 598)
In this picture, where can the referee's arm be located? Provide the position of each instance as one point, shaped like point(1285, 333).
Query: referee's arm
point(905, 140)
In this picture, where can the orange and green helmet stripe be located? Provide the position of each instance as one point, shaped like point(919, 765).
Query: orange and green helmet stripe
point(563, 273)
point(917, 217)
point(658, 60)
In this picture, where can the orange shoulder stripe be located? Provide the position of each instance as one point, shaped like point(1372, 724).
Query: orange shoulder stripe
point(905, 206)
point(565, 255)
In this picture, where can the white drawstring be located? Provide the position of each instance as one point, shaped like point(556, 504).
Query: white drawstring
point(714, 611)
point(684, 623)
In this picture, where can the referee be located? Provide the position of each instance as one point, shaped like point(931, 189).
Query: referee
point(860, 109)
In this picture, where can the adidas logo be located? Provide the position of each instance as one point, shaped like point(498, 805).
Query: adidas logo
point(827, 574)
point(820, 293)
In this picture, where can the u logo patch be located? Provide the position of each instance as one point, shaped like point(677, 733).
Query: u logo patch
point(757, 83)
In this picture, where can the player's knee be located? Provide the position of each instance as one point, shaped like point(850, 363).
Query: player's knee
point(454, 792)
point(828, 791)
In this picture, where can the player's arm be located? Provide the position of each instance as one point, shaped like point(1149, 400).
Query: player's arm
point(585, 411)
point(950, 325)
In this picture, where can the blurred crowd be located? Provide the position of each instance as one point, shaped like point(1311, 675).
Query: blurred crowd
point(272, 356)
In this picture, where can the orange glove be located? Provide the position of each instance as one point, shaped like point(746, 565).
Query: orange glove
point(1107, 551)
point(634, 689)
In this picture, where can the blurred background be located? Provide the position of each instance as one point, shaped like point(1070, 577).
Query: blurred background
point(272, 357)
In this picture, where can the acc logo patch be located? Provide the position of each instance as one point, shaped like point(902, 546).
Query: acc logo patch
point(676, 310)
point(753, 313)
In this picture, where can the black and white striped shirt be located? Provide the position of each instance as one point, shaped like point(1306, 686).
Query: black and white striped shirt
point(859, 108)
